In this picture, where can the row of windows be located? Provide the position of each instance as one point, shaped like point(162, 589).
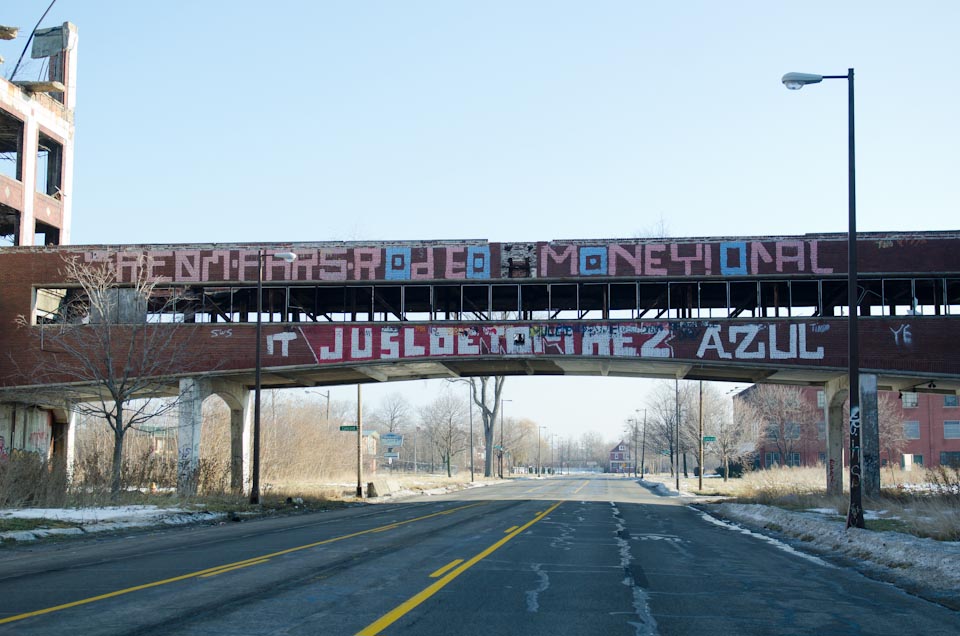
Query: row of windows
point(911, 400)
point(908, 399)
point(951, 429)
point(947, 458)
point(911, 430)
point(773, 459)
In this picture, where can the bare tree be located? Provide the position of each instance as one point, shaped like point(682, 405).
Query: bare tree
point(736, 432)
point(787, 420)
point(101, 353)
point(392, 413)
point(594, 448)
point(662, 420)
point(893, 438)
point(443, 420)
point(487, 397)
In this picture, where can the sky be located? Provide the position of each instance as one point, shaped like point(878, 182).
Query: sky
point(245, 121)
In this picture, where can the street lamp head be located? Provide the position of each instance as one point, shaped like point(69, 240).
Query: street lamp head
point(288, 257)
point(796, 81)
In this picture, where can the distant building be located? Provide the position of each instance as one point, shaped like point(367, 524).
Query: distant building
point(930, 425)
point(621, 458)
point(36, 145)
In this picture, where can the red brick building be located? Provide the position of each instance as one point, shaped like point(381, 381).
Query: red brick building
point(930, 423)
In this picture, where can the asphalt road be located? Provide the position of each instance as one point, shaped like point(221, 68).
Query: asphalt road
point(570, 555)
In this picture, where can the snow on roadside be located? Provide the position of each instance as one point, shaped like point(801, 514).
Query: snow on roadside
point(102, 519)
point(917, 563)
point(921, 563)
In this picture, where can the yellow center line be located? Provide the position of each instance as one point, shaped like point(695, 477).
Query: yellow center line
point(231, 569)
point(388, 619)
point(385, 528)
point(581, 487)
point(448, 566)
point(218, 569)
point(510, 529)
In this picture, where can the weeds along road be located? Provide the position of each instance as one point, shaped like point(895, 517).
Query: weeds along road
point(568, 555)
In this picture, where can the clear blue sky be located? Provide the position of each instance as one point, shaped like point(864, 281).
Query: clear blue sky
point(286, 121)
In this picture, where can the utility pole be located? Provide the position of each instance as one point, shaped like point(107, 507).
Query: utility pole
point(643, 445)
point(700, 482)
point(676, 454)
point(470, 406)
point(360, 441)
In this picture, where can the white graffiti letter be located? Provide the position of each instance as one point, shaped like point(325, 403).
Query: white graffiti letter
point(652, 349)
point(791, 353)
point(816, 354)
point(749, 333)
point(711, 340)
point(283, 339)
point(336, 352)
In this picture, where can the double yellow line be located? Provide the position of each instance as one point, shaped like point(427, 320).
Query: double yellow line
point(221, 569)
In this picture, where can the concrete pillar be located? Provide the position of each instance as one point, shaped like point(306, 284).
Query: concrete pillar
point(73, 420)
point(31, 141)
point(836, 393)
point(192, 394)
point(869, 435)
point(237, 437)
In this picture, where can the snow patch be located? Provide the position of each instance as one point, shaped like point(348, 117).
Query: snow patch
point(533, 596)
point(923, 563)
point(778, 544)
point(102, 519)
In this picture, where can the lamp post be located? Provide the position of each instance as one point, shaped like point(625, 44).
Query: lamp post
point(676, 461)
point(502, 409)
point(325, 396)
point(643, 445)
point(796, 81)
point(470, 406)
point(539, 464)
point(288, 257)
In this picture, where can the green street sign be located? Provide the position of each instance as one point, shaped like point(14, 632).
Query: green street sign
point(349, 427)
point(709, 438)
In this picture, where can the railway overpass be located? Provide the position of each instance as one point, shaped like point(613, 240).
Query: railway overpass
point(743, 309)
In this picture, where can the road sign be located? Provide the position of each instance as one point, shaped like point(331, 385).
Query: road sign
point(709, 438)
point(391, 455)
point(391, 440)
point(348, 427)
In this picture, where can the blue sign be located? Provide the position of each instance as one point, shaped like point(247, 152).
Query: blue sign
point(391, 440)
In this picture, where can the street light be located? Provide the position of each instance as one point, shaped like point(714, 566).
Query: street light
point(796, 81)
point(539, 464)
point(502, 409)
point(323, 395)
point(643, 446)
point(288, 257)
point(470, 406)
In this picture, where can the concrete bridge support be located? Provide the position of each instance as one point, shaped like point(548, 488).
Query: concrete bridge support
point(193, 392)
point(837, 392)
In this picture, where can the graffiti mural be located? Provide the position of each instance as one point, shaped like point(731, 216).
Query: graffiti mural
point(482, 260)
point(652, 340)
point(724, 258)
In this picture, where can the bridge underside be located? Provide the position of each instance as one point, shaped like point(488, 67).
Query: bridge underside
point(399, 371)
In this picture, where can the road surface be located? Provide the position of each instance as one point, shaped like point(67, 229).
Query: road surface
point(566, 555)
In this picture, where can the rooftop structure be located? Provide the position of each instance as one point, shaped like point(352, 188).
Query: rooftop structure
point(36, 142)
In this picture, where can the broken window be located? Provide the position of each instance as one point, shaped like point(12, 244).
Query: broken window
point(49, 166)
point(11, 145)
